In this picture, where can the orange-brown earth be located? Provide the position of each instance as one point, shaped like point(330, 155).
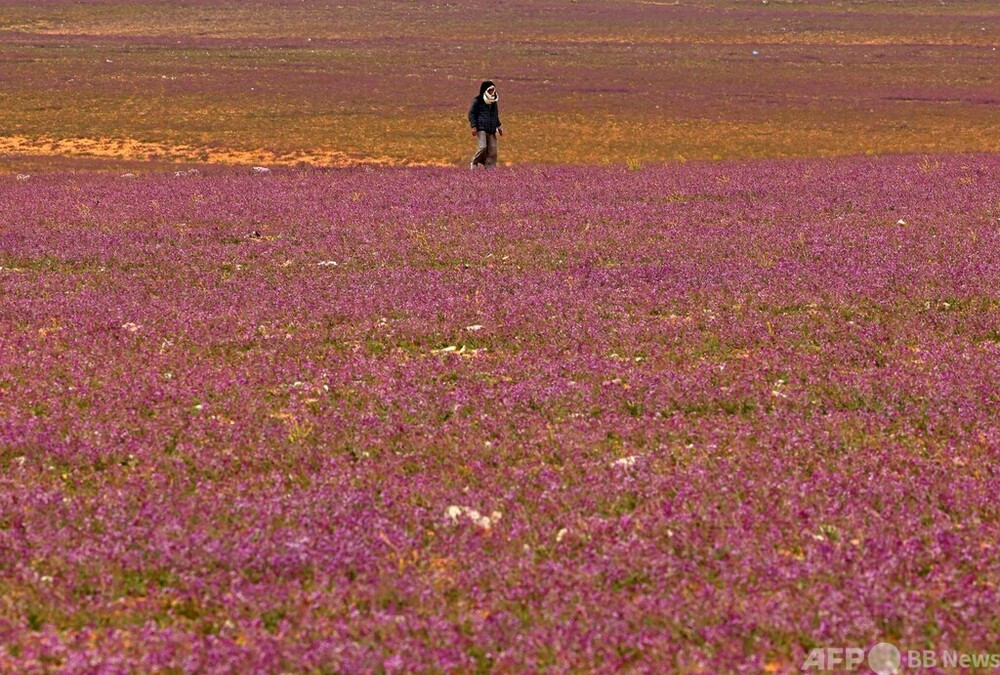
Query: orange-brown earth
point(104, 84)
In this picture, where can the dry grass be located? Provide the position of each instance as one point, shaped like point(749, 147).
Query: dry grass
point(377, 82)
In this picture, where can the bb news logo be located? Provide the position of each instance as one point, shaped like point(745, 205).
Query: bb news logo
point(886, 658)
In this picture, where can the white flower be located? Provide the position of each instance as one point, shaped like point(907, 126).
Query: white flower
point(21, 177)
point(130, 327)
point(560, 534)
point(454, 513)
point(474, 327)
point(332, 263)
point(626, 461)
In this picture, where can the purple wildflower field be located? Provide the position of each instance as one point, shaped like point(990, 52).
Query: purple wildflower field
point(700, 417)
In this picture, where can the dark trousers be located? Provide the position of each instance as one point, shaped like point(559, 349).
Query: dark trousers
point(486, 153)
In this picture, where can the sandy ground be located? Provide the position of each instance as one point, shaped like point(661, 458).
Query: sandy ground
point(139, 151)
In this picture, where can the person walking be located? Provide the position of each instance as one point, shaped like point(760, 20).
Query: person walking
point(484, 116)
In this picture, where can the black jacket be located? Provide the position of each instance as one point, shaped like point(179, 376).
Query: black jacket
point(483, 116)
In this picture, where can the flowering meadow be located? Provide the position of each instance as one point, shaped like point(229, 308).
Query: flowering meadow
point(700, 417)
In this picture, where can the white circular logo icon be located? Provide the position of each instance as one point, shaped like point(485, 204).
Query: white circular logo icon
point(884, 658)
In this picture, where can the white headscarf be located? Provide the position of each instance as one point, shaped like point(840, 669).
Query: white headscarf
point(491, 99)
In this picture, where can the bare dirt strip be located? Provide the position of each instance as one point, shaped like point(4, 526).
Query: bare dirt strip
point(134, 150)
